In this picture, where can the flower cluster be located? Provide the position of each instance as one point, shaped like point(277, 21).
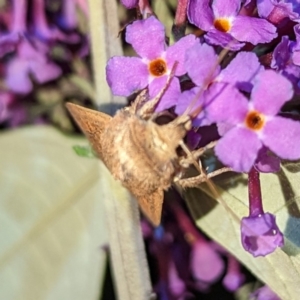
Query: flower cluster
point(187, 262)
point(243, 96)
point(29, 39)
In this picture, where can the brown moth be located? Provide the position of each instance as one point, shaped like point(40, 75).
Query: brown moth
point(137, 151)
point(142, 154)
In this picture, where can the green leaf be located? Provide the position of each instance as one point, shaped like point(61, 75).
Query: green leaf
point(281, 196)
point(52, 218)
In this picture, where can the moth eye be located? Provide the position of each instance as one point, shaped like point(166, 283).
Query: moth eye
point(254, 120)
point(222, 25)
point(158, 67)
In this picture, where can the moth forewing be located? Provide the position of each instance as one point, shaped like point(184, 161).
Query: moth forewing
point(151, 205)
point(91, 122)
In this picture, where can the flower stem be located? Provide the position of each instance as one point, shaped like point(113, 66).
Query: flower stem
point(145, 8)
point(127, 253)
point(179, 26)
point(255, 199)
point(19, 15)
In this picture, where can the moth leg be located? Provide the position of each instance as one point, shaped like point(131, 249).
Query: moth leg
point(197, 180)
point(192, 181)
point(195, 155)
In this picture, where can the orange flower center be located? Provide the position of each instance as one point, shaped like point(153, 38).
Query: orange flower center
point(255, 120)
point(157, 67)
point(222, 25)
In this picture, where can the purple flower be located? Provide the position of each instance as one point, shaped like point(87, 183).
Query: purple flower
point(277, 10)
point(12, 112)
point(9, 40)
point(260, 233)
point(68, 19)
point(206, 263)
point(264, 293)
point(6, 99)
point(130, 3)
point(30, 59)
point(176, 284)
point(286, 59)
point(240, 72)
point(266, 161)
point(83, 5)
point(126, 75)
point(233, 279)
point(185, 260)
point(43, 30)
point(19, 29)
point(254, 123)
point(223, 24)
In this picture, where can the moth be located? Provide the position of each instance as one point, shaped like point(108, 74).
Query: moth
point(138, 152)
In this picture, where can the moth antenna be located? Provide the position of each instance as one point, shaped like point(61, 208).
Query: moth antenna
point(196, 112)
point(139, 100)
point(221, 56)
point(148, 107)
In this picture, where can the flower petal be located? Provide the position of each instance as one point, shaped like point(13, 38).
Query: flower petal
point(216, 37)
point(296, 58)
point(130, 3)
point(204, 57)
point(44, 71)
point(206, 263)
point(184, 101)
point(264, 293)
point(281, 54)
point(17, 79)
point(225, 8)
point(252, 30)
point(125, 75)
point(6, 100)
point(281, 135)
point(170, 96)
point(260, 234)
point(267, 162)
point(238, 149)
point(224, 103)
point(297, 34)
point(177, 52)
point(192, 138)
point(200, 14)
point(271, 90)
point(241, 71)
point(176, 284)
point(234, 277)
point(276, 11)
point(8, 42)
point(223, 127)
point(147, 37)
point(264, 8)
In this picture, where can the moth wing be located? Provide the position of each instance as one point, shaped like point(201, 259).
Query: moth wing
point(91, 122)
point(151, 205)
